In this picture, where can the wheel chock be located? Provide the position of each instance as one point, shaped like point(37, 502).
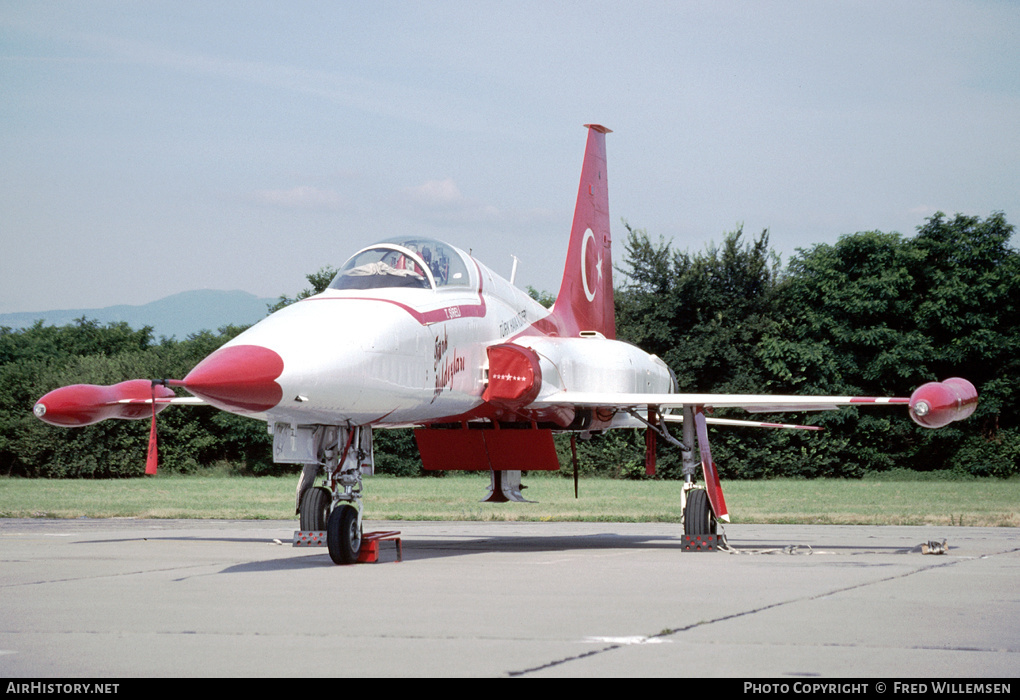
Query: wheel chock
point(309, 538)
point(703, 543)
point(369, 552)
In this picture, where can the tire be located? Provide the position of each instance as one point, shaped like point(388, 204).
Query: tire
point(698, 518)
point(315, 505)
point(343, 535)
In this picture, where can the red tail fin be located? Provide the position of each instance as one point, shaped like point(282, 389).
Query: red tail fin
point(585, 300)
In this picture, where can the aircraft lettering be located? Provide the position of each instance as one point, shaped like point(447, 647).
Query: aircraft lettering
point(515, 324)
point(441, 345)
point(446, 368)
point(453, 366)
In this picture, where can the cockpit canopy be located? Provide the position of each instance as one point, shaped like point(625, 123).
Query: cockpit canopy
point(404, 262)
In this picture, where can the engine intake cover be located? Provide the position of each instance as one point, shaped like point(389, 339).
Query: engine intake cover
point(515, 376)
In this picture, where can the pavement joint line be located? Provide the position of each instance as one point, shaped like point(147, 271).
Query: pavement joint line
point(669, 632)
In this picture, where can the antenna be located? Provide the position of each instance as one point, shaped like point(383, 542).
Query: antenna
point(513, 272)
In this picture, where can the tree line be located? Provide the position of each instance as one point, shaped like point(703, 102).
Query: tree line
point(873, 314)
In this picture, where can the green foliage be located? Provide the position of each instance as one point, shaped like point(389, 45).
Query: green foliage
point(319, 280)
point(616, 454)
point(699, 313)
point(544, 298)
point(83, 337)
point(396, 453)
point(874, 314)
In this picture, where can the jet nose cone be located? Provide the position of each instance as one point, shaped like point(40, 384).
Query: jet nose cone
point(239, 378)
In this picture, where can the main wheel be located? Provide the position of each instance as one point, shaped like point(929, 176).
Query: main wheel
point(698, 518)
point(315, 509)
point(343, 535)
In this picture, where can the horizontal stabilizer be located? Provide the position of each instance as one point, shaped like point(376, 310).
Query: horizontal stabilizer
point(673, 418)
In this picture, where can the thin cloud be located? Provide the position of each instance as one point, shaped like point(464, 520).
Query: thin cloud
point(441, 201)
point(436, 109)
point(303, 197)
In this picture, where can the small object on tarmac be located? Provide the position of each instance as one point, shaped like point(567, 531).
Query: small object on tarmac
point(934, 547)
point(703, 543)
point(309, 538)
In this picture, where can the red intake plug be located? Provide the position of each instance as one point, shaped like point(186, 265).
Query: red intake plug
point(85, 404)
point(239, 378)
point(936, 404)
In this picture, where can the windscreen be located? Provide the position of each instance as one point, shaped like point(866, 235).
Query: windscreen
point(403, 263)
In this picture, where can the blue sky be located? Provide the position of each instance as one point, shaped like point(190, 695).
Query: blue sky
point(151, 148)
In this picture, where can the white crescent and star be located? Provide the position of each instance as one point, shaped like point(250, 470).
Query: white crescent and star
point(589, 293)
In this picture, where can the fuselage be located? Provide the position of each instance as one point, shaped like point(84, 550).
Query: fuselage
point(378, 354)
point(399, 339)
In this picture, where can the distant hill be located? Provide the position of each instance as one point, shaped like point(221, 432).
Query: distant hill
point(177, 315)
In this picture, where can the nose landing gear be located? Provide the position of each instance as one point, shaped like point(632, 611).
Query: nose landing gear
point(334, 509)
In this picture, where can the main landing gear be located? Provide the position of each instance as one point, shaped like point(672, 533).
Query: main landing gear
point(699, 519)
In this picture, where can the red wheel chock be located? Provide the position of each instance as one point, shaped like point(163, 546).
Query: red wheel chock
point(369, 553)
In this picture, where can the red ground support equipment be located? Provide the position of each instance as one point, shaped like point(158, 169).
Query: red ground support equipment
point(369, 553)
point(309, 538)
point(703, 543)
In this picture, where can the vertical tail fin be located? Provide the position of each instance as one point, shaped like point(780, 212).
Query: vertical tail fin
point(585, 300)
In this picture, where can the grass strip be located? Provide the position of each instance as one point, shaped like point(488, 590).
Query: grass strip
point(982, 502)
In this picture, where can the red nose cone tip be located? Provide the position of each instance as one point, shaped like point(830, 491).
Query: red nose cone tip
point(238, 378)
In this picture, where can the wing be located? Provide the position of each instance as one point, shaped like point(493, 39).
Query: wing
point(176, 401)
point(753, 403)
point(932, 405)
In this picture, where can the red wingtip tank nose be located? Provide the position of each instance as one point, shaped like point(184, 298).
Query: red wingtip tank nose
point(937, 404)
point(238, 378)
point(84, 404)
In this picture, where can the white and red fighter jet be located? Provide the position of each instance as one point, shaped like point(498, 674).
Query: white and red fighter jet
point(413, 332)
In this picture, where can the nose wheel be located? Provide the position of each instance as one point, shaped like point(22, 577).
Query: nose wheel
point(343, 534)
point(315, 508)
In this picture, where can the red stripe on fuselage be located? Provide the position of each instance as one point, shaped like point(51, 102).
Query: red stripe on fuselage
point(427, 318)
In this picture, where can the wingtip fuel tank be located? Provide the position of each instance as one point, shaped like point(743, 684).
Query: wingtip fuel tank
point(84, 404)
point(937, 404)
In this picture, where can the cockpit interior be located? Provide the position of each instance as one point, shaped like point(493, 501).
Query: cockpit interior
point(404, 262)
